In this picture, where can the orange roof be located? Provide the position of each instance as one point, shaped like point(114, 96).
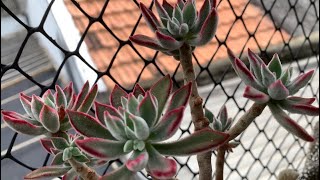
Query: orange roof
point(121, 16)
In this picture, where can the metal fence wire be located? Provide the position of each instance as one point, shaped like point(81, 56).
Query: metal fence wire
point(266, 148)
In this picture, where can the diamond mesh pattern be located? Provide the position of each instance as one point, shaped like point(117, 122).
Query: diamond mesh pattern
point(265, 147)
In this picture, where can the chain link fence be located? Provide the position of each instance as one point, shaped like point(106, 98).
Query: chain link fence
point(265, 149)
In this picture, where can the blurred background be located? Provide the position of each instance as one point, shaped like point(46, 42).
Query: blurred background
point(47, 42)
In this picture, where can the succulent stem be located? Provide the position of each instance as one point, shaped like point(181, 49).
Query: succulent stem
point(83, 170)
point(197, 113)
point(241, 125)
point(220, 163)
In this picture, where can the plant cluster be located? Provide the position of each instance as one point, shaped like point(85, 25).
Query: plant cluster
point(137, 126)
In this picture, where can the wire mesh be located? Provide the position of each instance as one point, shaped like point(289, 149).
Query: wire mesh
point(261, 153)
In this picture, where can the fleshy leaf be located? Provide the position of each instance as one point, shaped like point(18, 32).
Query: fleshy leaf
point(203, 14)
point(81, 158)
point(60, 98)
point(173, 28)
point(255, 95)
point(122, 173)
point(244, 73)
point(60, 143)
point(46, 144)
point(57, 159)
point(66, 154)
point(150, 18)
point(148, 109)
point(255, 64)
point(88, 100)
point(36, 106)
point(161, 90)
point(168, 41)
point(137, 90)
point(147, 42)
point(189, 13)
point(87, 125)
point(137, 161)
point(26, 103)
point(68, 91)
point(115, 125)
point(47, 172)
point(299, 82)
point(161, 11)
point(278, 91)
point(200, 141)
point(141, 128)
point(22, 126)
point(207, 31)
point(300, 100)
point(208, 114)
point(49, 118)
point(177, 13)
point(290, 125)
point(275, 65)
point(306, 109)
point(101, 108)
point(267, 76)
point(101, 148)
point(115, 97)
point(168, 125)
point(82, 95)
point(160, 167)
point(167, 7)
point(285, 77)
point(180, 97)
point(223, 115)
point(128, 146)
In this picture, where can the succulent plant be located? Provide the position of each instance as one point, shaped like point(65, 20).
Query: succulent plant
point(47, 114)
point(179, 24)
point(273, 85)
point(138, 123)
point(63, 148)
point(222, 122)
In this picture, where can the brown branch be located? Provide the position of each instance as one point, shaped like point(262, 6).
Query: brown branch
point(237, 129)
point(83, 170)
point(220, 163)
point(195, 102)
point(246, 120)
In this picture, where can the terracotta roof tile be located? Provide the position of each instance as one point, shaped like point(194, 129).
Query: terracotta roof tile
point(122, 15)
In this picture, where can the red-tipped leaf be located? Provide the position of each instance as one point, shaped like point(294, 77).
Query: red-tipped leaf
point(168, 42)
point(87, 125)
point(88, 100)
point(200, 141)
point(278, 91)
point(116, 94)
point(255, 95)
point(101, 108)
point(150, 18)
point(146, 41)
point(49, 118)
point(47, 172)
point(168, 125)
point(180, 97)
point(137, 161)
point(290, 125)
point(101, 148)
point(300, 82)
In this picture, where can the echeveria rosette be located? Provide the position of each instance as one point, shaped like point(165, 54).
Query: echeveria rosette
point(273, 85)
point(178, 24)
point(137, 123)
point(62, 149)
point(47, 114)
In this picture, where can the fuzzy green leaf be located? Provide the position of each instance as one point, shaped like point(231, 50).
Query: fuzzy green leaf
point(200, 141)
point(101, 148)
point(49, 118)
point(115, 125)
point(87, 125)
point(275, 65)
point(47, 172)
point(137, 161)
point(148, 109)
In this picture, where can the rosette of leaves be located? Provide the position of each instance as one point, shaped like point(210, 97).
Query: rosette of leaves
point(62, 148)
point(47, 114)
point(136, 124)
point(221, 123)
point(273, 85)
point(178, 24)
